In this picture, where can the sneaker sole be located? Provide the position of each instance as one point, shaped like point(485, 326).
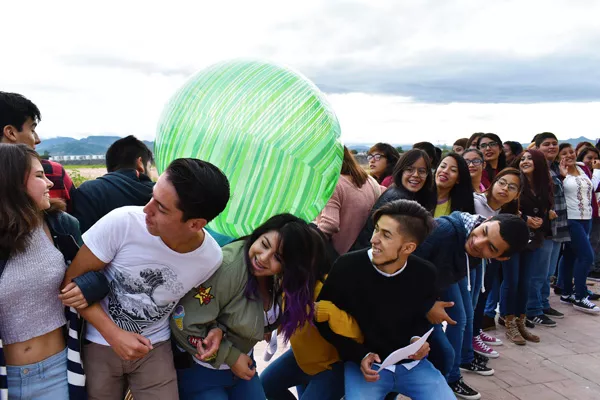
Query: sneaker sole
point(499, 343)
point(585, 310)
point(487, 354)
point(546, 325)
point(482, 373)
point(555, 316)
point(566, 302)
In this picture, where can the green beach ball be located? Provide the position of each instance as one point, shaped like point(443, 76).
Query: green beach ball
point(268, 128)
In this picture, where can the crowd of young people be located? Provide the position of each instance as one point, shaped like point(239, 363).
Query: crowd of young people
point(147, 301)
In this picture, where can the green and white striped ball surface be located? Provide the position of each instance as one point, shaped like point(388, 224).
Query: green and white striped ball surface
point(268, 128)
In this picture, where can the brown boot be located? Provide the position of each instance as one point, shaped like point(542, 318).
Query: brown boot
point(512, 332)
point(524, 331)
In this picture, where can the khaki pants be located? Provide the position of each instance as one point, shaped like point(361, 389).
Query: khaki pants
point(152, 377)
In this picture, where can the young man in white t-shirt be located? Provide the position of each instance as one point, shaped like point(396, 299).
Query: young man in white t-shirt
point(152, 256)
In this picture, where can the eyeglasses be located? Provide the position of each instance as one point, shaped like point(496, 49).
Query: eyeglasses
point(422, 172)
point(375, 157)
point(484, 146)
point(476, 162)
point(511, 186)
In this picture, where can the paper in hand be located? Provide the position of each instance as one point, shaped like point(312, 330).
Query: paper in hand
point(405, 352)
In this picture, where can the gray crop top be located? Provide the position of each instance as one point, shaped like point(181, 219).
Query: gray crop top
point(29, 288)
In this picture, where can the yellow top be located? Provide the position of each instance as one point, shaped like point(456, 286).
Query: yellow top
point(313, 353)
point(442, 209)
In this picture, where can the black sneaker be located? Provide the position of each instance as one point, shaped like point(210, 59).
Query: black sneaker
point(567, 299)
point(481, 360)
point(593, 296)
point(552, 313)
point(594, 276)
point(477, 368)
point(542, 320)
point(463, 391)
point(586, 306)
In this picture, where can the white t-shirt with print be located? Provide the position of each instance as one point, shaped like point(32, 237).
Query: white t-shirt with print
point(146, 278)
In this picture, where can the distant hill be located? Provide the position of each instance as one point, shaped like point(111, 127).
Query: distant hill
point(66, 146)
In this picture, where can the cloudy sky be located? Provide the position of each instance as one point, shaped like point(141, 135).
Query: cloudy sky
point(394, 70)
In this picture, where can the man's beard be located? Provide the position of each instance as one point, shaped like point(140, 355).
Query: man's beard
point(389, 262)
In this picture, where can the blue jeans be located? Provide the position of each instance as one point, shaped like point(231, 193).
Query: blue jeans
point(423, 382)
point(476, 284)
point(539, 278)
point(201, 383)
point(493, 296)
point(490, 276)
point(545, 292)
point(515, 285)
point(45, 380)
point(460, 335)
point(441, 353)
point(284, 372)
point(577, 259)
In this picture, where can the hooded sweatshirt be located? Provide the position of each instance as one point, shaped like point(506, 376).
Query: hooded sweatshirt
point(94, 199)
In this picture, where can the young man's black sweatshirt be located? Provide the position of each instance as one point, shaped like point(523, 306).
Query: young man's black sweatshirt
point(390, 310)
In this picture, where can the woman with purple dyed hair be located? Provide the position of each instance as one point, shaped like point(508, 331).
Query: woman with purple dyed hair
point(265, 282)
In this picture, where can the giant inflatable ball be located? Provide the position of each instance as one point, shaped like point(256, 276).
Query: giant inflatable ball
point(268, 128)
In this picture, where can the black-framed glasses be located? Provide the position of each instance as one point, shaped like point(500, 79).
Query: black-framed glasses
point(422, 172)
point(476, 162)
point(375, 157)
point(484, 146)
point(511, 186)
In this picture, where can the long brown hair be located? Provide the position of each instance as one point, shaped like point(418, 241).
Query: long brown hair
point(350, 167)
point(19, 215)
point(513, 206)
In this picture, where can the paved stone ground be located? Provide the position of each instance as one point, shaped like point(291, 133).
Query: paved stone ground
point(564, 365)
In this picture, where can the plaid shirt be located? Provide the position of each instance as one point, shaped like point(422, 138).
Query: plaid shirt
point(559, 225)
point(63, 185)
point(471, 221)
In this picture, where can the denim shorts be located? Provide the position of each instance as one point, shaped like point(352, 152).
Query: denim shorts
point(45, 380)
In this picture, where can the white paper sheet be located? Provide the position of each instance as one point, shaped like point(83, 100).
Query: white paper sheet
point(404, 352)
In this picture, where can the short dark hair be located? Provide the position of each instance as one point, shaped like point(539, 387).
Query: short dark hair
point(15, 109)
point(391, 155)
point(124, 152)
point(563, 146)
point(415, 221)
point(429, 148)
point(514, 232)
point(515, 147)
point(202, 188)
point(461, 142)
point(540, 137)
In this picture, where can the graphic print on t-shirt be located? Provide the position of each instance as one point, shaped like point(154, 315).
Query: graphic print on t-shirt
point(132, 300)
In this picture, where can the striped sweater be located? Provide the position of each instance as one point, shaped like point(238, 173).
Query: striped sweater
point(93, 285)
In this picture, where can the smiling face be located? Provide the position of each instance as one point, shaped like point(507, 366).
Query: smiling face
point(589, 158)
point(549, 147)
point(446, 175)
point(485, 241)
point(568, 154)
point(264, 255)
point(506, 189)
point(377, 163)
point(414, 177)
point(38, 186)
point(490, 149)
point(388, 244)
point(526, 164)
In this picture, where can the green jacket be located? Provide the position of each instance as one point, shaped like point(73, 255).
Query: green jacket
point(220, 301)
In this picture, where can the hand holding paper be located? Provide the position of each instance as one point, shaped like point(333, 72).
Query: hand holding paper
point(405, 352)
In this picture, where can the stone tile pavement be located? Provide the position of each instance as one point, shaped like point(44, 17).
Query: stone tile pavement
point(564, 365)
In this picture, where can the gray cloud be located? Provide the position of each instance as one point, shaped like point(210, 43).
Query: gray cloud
point(477, 78)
